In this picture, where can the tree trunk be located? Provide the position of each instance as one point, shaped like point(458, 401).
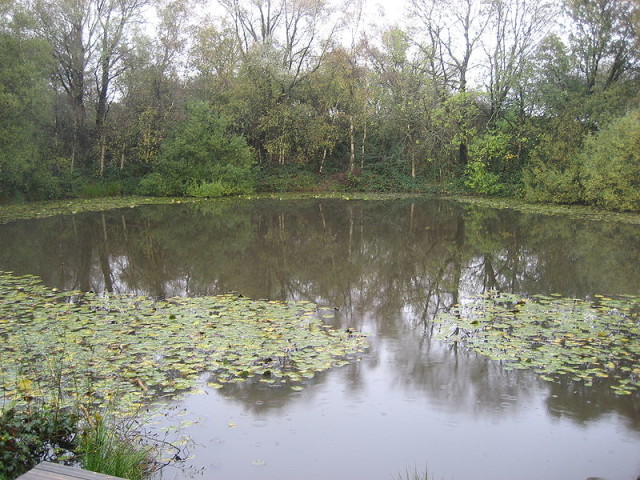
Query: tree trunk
point(79, 149)
point(352, 138)
point(122, 157)
point(103, 150)
point(463, 154)
point(364, 140)
point(324, 157)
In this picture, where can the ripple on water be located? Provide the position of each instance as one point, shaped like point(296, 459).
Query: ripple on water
point(260, 423)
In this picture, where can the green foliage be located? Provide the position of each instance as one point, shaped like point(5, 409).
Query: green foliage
point(200, 152)
point(33, 434)
point(391, 105)
point(382, 177)
point(291, 131)
point(485, 150)
point(544, 183)
point(287, 178)
point(480, 180)
point(100, 189)
point(602, 168)
point(553, 174)
point(458, 114)
point(115, 449)
point(217, 189)
point(209, 190)
point(611, 165)
point(25, 103)
point(37, 432)
point(155, 184)
point(491, 163)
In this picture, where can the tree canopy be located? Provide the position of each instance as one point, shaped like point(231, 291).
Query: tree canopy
point(163, 97)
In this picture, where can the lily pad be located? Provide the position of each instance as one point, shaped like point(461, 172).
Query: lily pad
point(588, 340)
point(9, 213)
point(127, 350)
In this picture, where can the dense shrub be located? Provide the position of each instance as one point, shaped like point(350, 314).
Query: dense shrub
point(287, 178)
point(25, 102)
point(30, 436)
point(488, 154)
point(548, 183)
point(154, 184)
point(201, 151)
point(383, 176)
point(217, 189)
point(611, 165)
point(105, 188)
point(479, 179)
point(553, 174)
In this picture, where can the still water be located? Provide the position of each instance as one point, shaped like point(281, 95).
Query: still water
point(386, 268)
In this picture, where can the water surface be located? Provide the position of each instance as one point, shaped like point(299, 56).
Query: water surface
point(383, 267)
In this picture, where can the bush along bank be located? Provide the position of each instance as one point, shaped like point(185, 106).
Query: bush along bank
point(71, 436)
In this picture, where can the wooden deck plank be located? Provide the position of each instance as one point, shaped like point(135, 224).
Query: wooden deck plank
point(53, 471)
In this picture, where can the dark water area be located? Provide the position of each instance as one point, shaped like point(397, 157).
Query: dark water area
point(385, 268)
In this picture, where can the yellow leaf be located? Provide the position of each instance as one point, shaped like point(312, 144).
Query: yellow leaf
point(24, 384)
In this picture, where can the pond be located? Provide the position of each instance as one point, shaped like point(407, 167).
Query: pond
point(413, 400)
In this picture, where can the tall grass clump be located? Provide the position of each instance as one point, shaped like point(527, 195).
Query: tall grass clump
point(115, 449)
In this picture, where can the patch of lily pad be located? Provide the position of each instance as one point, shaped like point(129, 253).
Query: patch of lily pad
point(126, 351)
point(588, 341)
point(335, 195)
point(23, 211)
point(579, 212)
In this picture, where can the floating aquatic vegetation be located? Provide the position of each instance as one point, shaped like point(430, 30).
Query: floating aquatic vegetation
point(335, 196)
point(9, 213)
point(127, 350)
point(578, 212)
point(584, 340)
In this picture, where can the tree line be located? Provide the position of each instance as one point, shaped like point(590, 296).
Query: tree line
point(170, 97)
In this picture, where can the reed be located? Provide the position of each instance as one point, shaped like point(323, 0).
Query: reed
point(114, 449)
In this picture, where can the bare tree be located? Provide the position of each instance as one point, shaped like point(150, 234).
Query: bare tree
point(255, 21)
point(603, 39)
point(295, 33)
point(115, 17)
point(452, 32)
point(70, 27)
point(88, 39)
point(517, 28)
